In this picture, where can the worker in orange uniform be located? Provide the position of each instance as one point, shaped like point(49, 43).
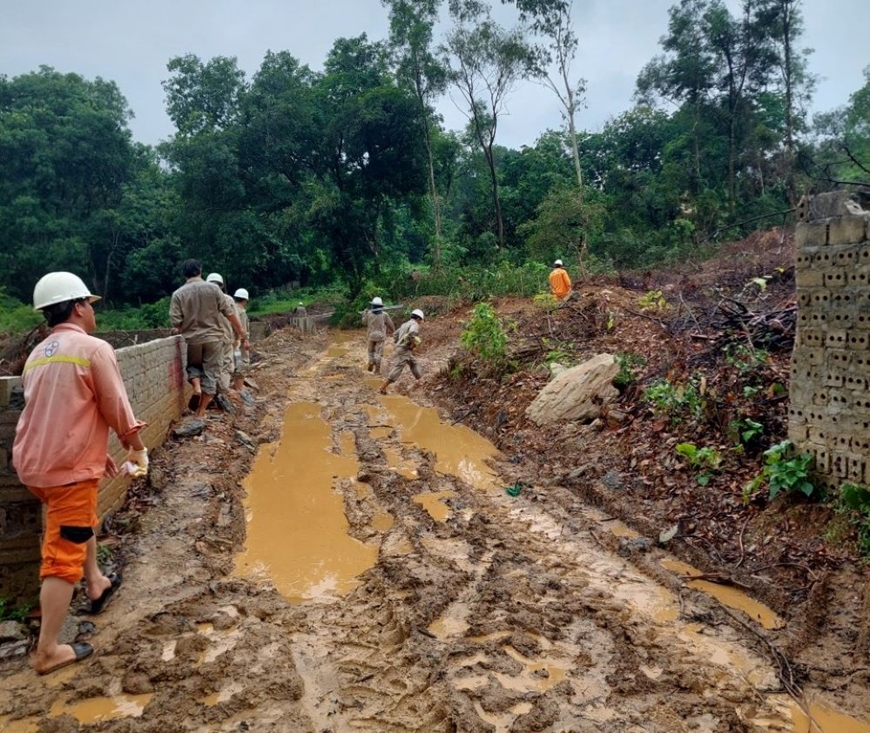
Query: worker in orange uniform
point(73, 394)
point(560, 283)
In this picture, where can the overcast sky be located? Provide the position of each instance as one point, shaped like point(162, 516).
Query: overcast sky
point(130, 42)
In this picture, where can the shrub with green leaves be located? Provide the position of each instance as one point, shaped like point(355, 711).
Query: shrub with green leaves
point(783, 471)
point(484, 335)
point(677, 401)
point(627, 375)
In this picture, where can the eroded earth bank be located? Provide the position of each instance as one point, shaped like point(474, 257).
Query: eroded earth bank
point(372, 573)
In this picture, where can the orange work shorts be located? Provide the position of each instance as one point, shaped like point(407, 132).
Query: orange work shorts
point(70, 519)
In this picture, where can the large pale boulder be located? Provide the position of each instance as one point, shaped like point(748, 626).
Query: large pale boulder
point(577, 393)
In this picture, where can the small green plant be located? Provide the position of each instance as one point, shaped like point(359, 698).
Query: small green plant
point(783, 471)
point(853, 504)
point(547, 301)
point(8, 612)
point(627, 365)
point(484, 334)
point(707, 459)
point(676, 401)
point(557, 352)
point(747, 430)
point(745, 358)
point(653, 300)
point(752, 390)
point(105, 556)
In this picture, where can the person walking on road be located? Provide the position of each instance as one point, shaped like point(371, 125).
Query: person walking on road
point(227, 363)
point(195, 312)
point(407, 339)
point(560, 282)
point(73, 395)
point(241, 355)
point(378, 324)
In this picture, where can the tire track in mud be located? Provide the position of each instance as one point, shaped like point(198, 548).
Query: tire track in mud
point(509, 616)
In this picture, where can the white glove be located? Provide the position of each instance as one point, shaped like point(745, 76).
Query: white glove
point(136, 463)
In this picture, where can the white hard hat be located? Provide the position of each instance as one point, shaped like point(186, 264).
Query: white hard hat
point(377, 300)
point(557, 263)
point(241, 294)
point(418, 313)
point(58, 287)
point(215, 277)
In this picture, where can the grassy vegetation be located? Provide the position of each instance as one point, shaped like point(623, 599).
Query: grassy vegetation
point(15, 316)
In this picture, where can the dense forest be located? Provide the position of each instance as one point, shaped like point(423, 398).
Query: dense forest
point(346, 176)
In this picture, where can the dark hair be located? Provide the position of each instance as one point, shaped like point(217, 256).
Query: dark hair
point(191, 268)
point(58, 313)
point(238, 300)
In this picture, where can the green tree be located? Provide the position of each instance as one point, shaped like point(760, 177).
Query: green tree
point(485, 63)
point(371, 156)
point(411, 29)
point(67, 155)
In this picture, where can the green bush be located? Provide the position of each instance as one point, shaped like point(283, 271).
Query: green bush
point(484, 336)
point(675, 401)
point(15, 316)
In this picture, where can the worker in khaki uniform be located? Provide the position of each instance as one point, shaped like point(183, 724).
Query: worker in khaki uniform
point(195, 312)
point(241, 355)
point(228, 362)
point(407, 339)
point(378, 324)
point(560, 283)
point(73, 395)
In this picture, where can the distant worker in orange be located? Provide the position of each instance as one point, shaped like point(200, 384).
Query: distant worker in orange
point(560, 283)
point(73, 396)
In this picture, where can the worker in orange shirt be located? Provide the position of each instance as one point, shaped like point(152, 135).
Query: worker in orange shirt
point(73, 395)
point(560, 283)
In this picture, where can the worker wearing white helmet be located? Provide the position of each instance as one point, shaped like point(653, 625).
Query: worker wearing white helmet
point(227, 362)
point(407, 339)
point(378, 324)
point(241, 353)
point(560, 282)
point(73, 396)
point(195, 311)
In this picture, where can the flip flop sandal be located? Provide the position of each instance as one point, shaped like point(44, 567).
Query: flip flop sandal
point(98, 605)
point(82, 651)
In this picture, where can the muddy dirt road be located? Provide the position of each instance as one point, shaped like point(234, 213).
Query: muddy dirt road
point(372, 574)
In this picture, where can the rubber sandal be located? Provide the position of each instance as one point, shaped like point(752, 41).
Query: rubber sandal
point(82, 651)
point(98, 605)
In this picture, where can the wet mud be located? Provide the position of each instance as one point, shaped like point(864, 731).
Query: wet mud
point(364, 569)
